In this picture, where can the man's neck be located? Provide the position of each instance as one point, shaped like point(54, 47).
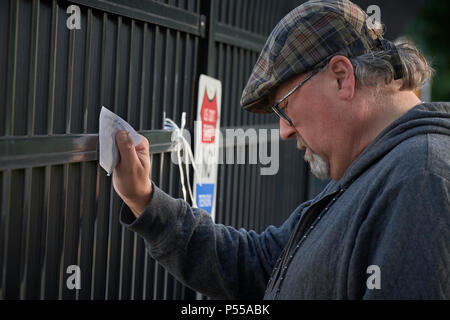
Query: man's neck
point(378, 116)
point(385, 111)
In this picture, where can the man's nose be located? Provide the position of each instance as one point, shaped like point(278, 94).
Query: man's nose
point(286, 131)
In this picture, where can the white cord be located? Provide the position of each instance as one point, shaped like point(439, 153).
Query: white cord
point(181, 143)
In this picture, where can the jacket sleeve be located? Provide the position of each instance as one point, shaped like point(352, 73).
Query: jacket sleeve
point(216, 260)
point(407, 238)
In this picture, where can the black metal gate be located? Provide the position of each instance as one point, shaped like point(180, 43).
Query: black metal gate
point(140, 58)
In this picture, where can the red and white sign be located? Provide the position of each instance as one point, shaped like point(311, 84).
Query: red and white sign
point(207, 139)
point(209, 116)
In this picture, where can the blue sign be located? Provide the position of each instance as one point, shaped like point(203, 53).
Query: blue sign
point(205, 196)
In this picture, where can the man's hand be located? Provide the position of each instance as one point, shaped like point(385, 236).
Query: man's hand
point(131, 176)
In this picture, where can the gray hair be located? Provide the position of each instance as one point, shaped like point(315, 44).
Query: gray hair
point(374, 66)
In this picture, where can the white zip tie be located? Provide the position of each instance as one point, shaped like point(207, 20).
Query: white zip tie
point(181, 143)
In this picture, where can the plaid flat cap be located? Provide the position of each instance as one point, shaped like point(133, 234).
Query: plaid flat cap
point(306, 37)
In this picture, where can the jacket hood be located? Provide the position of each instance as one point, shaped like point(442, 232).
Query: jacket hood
point(425, 118)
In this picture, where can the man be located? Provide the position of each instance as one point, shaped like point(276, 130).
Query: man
point(381, 227)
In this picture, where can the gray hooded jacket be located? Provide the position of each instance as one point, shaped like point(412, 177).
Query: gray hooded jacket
point(381, 232)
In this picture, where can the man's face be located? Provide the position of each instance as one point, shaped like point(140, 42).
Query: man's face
point(331, 120)
point(305, 108)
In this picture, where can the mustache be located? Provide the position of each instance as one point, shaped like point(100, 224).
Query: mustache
point(302, 145)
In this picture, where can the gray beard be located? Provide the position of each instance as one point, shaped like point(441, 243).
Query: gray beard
point(319, 167)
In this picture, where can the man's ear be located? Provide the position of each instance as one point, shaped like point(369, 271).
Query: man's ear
point(341, 70)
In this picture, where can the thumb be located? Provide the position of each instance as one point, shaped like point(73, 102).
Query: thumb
point(126, 148)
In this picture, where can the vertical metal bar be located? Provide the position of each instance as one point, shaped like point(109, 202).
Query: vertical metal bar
point(99, 267)
point(33, 195)
point(117, 65)
point(130, 75)
point(264, 202)
point(3, 212)
point(12, 67)
point(243, 114)
point(138, 269)
point(214, 13)
point(245, 18)
point(195, 78)
point(155, 115)
point(272, 18)
point(69, 87)
point(33, 67)
point(234, 88)
point(25, 231)
point(149, 288)
point(150, 275)
point(253, 196)
point(227, 103)
point(234, 182)
point(114, 237)
point(52, 71)
point(143, 78)
point(134, 267)
point(66, 233)
point(145, 273)
point(231, 13)
point(87, 70)
point(53, 240)
point(187, 79)
point(176, 87)
point(4, 224)
point(100, 263)
point(190, 80)
point(62, 69)
point(158, 289)
point(167, 64)
point(255, 16)
point(247, 196)
point(258, 199)
point(5, 34)
point(238, 14)
point(260, 16)
point(72, 181)
point(45, 212)
point(104, 54)
point(87, 219)
point(220, 192)
point(221, 169)
point(126, 261)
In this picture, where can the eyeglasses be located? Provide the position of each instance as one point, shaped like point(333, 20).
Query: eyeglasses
point(276, 107)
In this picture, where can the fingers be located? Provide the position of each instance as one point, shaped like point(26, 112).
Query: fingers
point(128, 156)
point(143, 152)
point(143, 145)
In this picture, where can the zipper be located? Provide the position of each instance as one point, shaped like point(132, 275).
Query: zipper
point(306, 220)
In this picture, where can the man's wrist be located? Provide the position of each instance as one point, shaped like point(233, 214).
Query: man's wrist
point(138, 206)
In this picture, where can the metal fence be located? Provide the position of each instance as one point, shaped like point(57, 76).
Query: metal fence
point(139, 58)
